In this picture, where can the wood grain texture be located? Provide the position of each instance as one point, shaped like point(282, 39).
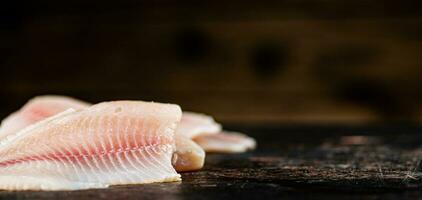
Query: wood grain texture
point(291, 162)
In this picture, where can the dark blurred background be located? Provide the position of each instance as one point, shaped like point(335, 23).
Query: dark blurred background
point(259, 63)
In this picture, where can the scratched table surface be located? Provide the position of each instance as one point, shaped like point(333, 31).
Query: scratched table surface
point(295, 162)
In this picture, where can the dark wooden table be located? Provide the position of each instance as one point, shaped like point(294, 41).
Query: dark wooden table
point(292, 162)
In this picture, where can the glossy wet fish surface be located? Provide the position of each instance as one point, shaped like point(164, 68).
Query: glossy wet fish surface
point(61, 143)
point(110, 143)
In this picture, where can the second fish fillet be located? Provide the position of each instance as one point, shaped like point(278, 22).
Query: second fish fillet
point(37, 109)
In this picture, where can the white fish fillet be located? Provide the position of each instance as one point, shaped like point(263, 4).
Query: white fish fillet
point(112, 143)
point(37, 109)
point(208, 134)
point(225, 142)
point(192, 125)
point(189, 156)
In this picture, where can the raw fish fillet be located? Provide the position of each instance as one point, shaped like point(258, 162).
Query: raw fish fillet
point(208, 134)
point(189, 156)
point(225, 142)
point(192, 126)
point(111, 143)
point(37, 109)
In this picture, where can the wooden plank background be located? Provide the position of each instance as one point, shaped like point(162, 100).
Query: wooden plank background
point(244, 62)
